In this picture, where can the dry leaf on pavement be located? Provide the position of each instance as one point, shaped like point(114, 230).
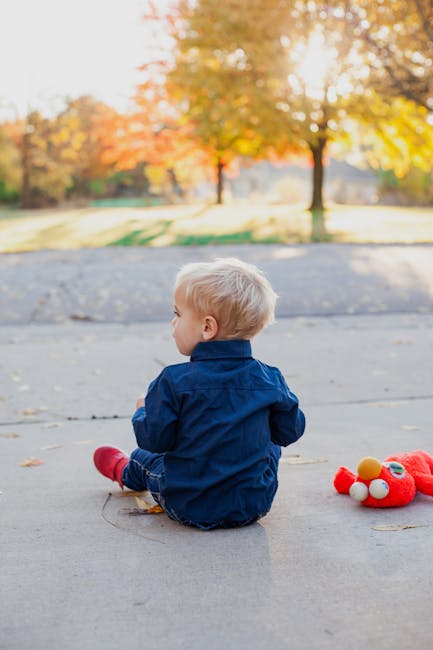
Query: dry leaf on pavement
point(299, 460)
point(133, 493)
point(145, 508)
point(385, 527)
point(154, 510)
point(29, 411)
point(31, 462)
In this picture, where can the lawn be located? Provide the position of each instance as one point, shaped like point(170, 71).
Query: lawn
point(207, 224)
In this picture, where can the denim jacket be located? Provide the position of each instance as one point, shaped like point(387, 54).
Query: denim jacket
point(217, 420)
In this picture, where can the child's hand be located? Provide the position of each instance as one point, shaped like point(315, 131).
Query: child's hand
point(140, 402)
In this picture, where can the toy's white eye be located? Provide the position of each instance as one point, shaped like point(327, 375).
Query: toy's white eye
point(379, 488)
point(396, 469)
point(358, 491)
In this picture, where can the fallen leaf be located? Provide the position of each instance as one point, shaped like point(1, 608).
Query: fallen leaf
point(141, 503)
point(385, 527)
point(409, 427)
point(31, 462)
point(154, 510)
point(298, 460)
point(48, 447)
point(9, 435)
point(133, 493)
point(34, 411)
point(389, 404)
point(51, 425)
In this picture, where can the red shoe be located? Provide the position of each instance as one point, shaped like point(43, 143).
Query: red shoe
point(111, 462)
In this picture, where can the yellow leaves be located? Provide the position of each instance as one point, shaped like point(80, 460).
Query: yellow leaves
point(131, 493)
point(144, 507)
point(31, 462)
point(34, 411)
point(156, 176)
point(78, 139)
point(154, 510)
point(29, 411)
point(141, 503)
point(398, 136)
point(212, 64)
point(61, 136)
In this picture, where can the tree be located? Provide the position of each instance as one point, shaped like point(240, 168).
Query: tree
point(213, 89)
point(64, 154)
point(283, 75)
point(398, 139)
point(183, 129)
point(10, 163)
point(398, 40)
point(84, 132)
point(45, 176)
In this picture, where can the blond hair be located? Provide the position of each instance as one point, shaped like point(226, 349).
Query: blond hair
point(235, 293)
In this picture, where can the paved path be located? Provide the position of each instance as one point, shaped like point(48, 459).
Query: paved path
point(79, 572)
point(134, 284)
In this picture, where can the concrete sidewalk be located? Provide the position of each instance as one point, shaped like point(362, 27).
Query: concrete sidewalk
point(79, 572)
point(81, 335)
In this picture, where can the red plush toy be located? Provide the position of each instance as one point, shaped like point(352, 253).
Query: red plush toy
point(389, 484)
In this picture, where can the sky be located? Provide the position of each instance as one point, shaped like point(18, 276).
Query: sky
point(53, 48)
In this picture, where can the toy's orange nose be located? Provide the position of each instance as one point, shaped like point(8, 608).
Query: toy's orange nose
point(369, 468)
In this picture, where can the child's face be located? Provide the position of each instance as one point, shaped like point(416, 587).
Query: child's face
point(187, 325)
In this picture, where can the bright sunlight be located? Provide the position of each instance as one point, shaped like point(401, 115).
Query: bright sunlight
point(316, 62)
point(317, 73)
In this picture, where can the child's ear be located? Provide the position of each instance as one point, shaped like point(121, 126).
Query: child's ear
point(209, 328)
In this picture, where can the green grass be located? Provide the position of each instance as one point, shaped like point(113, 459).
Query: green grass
point(201, 224)
point(240, 237)
point(142, 237)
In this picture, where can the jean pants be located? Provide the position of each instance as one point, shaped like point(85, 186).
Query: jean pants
point(144, 472)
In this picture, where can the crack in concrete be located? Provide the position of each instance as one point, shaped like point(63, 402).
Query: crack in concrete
point(373, 401)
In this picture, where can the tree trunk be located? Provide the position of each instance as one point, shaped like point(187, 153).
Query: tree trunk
point(26, 195)
point(318, 229)
point(220, 181)
point(174, 183)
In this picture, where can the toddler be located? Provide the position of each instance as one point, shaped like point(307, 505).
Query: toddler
point(209, 430)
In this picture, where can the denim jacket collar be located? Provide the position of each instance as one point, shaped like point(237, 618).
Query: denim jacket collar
point(230, 349)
